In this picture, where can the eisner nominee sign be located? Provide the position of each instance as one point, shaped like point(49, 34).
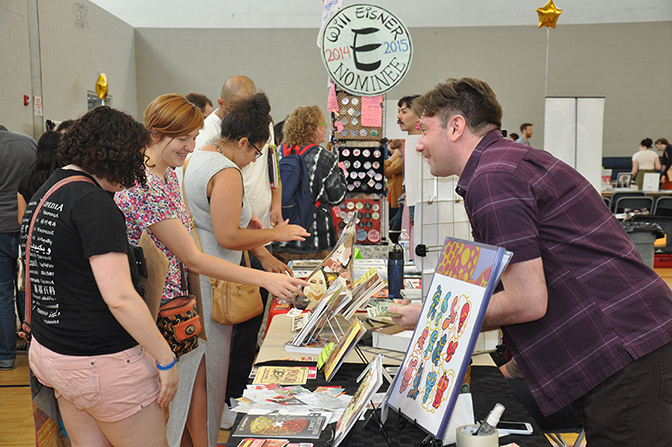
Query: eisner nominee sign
point(366, 49)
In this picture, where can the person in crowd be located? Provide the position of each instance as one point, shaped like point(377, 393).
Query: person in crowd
point(664, 146)
point(17, 152)
point(526, 132)
point(202, 102)
point(92, 334)
point(586, 320)
point(277, 132)
point(46, 162)
point(514, 136)
point(407, 121)
point(65, 125)
point(266, 205)
point(306, 126)
point(643, 161)
point(394, 172)
point(158, 209)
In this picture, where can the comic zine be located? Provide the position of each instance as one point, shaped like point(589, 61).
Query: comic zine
point(429, 379)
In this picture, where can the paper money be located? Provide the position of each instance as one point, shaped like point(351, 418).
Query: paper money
point(380, 310)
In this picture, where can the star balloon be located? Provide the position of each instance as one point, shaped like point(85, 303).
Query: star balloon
point(548, 15)
point(102, 87)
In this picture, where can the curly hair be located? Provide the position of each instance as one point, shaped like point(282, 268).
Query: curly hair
point(109, 144)
point(300, 126)
point(248, 118)
point(173, 115)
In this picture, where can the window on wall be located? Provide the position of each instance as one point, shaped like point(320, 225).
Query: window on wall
point(94, 101)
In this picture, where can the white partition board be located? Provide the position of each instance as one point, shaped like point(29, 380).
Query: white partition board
point(573, 131)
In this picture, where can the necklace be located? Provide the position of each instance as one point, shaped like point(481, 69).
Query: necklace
point(219, 149)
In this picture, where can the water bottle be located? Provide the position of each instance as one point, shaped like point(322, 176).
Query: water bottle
point(405, 243)
point(395, 272)
point(490, 423)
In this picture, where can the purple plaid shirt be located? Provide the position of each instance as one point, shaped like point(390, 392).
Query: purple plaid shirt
point(605, 307)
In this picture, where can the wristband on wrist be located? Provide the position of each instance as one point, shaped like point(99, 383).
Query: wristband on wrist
point(169, 365)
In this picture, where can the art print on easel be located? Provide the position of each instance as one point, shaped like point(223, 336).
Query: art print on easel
point(429, 380)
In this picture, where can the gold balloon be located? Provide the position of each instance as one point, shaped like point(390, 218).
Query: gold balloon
point(548, 15)
point(101, 86)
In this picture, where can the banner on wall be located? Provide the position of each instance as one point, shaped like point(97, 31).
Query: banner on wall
point(366, 49)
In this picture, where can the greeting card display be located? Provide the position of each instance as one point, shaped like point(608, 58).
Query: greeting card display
point(429, 379)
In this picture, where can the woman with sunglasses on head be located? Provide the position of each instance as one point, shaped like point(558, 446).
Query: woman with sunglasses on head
point(158, 209)
point(94, 340)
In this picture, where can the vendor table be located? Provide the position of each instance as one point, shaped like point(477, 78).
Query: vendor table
point(488, 387)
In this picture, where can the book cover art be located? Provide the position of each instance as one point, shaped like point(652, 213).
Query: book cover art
point(354, 333)
point(282, 375)
point(429, 379)
point(280, 426)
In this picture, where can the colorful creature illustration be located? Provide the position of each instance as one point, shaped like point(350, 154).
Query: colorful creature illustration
point(407, 375)
point(450, 351)
point(436, 355)
point(432, 340)
point(435, 303)
point(431, 380)
point(453, 313)
point(463, 316)
point(423, 337)
point(413, 393)
point(444, 307)
point(440, 389)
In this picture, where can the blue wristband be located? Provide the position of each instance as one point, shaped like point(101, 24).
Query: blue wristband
point(168, 366)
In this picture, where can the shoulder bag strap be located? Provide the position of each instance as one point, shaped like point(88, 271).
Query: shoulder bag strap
point(57, 185)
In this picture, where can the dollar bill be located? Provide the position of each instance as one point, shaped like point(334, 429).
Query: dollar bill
point(380, 310)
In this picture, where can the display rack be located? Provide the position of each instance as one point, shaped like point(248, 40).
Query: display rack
point(361, 152)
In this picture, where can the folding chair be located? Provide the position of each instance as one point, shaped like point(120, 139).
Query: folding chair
point(618, 195)
point(624, 204)
point(663, 207)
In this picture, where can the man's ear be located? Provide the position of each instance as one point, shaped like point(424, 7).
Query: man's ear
point(456, 127)
point(220, 103)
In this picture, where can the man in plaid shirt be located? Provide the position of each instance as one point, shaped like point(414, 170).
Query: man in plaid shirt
point(587, 321)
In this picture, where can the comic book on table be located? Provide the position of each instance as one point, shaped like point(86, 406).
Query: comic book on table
point(347, 343)
point(371, 382)
point(428, 382)
point(331, 303)
point(362, 289)
point(281, 426)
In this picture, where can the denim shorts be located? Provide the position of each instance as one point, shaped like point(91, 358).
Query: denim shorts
point(109, 387)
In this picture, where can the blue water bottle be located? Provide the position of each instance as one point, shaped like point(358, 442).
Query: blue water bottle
point(395, 272)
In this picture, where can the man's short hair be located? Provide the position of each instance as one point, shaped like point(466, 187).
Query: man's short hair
point(407, 101)
point(471, 98)
point(199, 100)
point(524, 126)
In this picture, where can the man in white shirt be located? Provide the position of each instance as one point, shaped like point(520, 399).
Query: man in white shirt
point(266, 202)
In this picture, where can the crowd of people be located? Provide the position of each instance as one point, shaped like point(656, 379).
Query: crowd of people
point(588, 324)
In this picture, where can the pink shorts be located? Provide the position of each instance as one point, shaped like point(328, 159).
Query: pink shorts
point(109, 387)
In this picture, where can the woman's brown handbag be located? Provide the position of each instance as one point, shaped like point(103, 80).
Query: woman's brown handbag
point(231, 303)
point(234, 303)
point(179, 322)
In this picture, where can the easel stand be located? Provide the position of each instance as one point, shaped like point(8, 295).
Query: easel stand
point(378, 424)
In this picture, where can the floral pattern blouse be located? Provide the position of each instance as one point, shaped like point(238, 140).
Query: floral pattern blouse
point(148, 205)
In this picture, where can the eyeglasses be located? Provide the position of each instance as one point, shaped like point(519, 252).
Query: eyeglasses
point(258, 154)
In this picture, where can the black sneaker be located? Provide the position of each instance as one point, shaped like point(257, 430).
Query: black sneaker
point(7, 365)
point(22, 348)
